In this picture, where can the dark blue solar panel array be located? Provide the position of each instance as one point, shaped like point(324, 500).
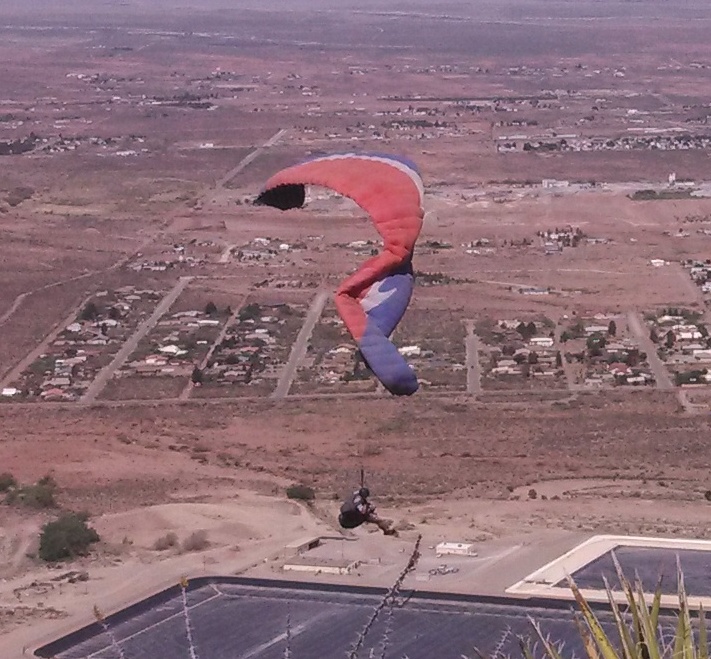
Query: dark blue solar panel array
point(232, 620)
point(648, 563)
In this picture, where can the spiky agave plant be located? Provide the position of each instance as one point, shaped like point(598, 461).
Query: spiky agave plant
point(639, 634)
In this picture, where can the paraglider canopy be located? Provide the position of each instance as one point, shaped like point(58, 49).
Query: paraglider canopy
point(373, 300)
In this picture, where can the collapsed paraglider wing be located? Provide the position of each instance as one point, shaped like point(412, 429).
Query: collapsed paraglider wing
point(372, 301)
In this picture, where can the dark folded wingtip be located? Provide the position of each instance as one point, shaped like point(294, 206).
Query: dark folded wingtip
point(283, 197)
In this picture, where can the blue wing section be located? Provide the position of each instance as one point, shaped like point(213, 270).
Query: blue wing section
point(386, 301)
point(386, 362)
point(384, 306)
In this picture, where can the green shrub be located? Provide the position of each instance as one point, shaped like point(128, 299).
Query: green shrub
point(39, 495)
point(7, 482)
point(66, 537)
point(300, 492)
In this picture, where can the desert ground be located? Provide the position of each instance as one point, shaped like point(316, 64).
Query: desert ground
point(566, 157)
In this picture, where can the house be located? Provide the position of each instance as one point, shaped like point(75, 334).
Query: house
point(148, 369)
point(592, 329)
point(620, 370)
point(506, 363)
point(505, 370)
point(542, 341)
point(52, 393)
point(58, 382)
point(692, 348)
point(636, 379)
point(689, 335)
point(172, 350)
point(663, 320)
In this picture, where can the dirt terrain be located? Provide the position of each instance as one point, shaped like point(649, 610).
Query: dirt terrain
point(132, 140)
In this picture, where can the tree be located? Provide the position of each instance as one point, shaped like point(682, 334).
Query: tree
point(612, 328)
point(250, 312)
point(300, 492)
point(558, 360)
point(532, 357)
point(531, 329)
point(196, 376)
point(115, 313)
point(66, 537)
point(210, 308)
point(669, 339)
point(596, 341)
point(653, 336)
point(89, 312)
point(7, 482)
point(632, 358)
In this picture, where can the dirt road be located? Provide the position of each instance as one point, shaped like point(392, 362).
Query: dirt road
point(250, 158)
point(130, 345)
point(661, 375)
point(14, 373)
point(298, 350)
point(185, 393)
point(472, 361)
point(569, 376)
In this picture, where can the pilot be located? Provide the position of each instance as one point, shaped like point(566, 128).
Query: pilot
point(357, 510)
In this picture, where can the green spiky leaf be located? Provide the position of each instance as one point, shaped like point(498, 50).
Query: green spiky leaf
point(598, 633)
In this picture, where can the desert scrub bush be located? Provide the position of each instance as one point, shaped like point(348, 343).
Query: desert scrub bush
point(300, 492)
point(7, 482)
point(196, 541)
point(39, 495)
point(166, 542)
point(66, 537)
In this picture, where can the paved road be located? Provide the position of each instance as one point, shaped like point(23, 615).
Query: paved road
point(661, 374)
point(250, 158)
point(472, 361)
point(298, 350)
point(130, 345)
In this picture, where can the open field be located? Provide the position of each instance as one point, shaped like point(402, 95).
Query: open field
point(164, 342)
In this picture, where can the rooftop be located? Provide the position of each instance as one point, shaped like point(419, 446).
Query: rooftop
point(436, 613)
point(249, 618)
